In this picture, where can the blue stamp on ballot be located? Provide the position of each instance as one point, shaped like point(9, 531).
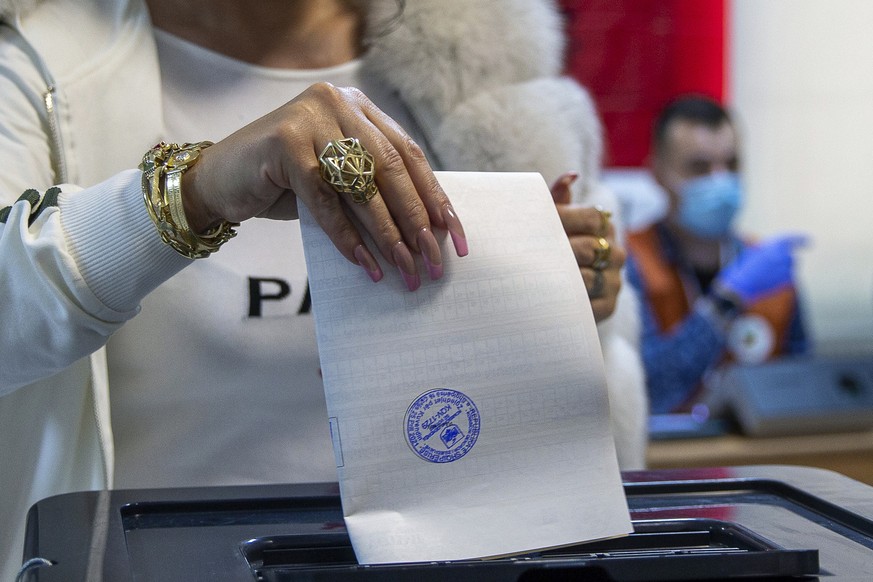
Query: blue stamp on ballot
point(442, 425)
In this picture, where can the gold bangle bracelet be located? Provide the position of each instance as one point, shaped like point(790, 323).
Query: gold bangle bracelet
point(173, 192)
point(162, 169)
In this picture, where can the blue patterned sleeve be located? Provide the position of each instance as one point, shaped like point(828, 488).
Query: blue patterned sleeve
point(675, 361)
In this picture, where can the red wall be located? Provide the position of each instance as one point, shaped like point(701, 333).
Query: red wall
point(636, 55)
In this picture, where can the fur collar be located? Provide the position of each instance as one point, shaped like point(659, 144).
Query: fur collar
point(478, 45)
point(483, 80)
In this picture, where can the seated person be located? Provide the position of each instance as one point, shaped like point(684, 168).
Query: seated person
point(707, 296)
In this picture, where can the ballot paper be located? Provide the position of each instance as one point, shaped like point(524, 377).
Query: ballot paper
point(469, 418)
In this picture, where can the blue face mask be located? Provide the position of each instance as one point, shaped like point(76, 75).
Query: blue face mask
point(708, 204)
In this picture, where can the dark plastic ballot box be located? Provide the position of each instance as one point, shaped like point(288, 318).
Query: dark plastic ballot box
point(748, 523)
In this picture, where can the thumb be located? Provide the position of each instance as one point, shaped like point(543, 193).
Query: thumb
point(561, 192)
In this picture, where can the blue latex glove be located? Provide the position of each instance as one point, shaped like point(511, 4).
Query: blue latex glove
point(761, 269)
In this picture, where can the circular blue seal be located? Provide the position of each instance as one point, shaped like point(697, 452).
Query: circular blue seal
point(442, 425)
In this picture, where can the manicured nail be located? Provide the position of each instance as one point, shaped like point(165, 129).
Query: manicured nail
point(561, 188)
point(369, 263)
point(453, 224)
point(430, 252)
point(569, 177)
point(406, 266)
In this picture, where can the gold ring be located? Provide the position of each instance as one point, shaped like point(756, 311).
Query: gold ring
point(596, 291)
point(349, 168)
point(605, 215)
point(601, 254)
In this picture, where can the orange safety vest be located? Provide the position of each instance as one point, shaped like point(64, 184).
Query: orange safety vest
point(666, 293)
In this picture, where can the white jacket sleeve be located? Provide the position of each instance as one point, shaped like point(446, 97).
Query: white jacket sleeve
point(71, 274)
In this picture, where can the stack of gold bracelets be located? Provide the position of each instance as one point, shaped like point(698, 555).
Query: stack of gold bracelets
point(162, 168)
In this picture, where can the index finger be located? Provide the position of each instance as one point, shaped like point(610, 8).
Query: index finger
point(584, 221)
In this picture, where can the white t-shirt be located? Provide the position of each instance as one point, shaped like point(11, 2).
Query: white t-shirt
point(217, 380)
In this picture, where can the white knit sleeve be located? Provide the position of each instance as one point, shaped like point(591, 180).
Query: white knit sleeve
point(72, 273)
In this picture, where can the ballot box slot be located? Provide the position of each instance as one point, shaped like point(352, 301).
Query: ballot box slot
point(303, 551)
point(692, 549)
point(215, 513)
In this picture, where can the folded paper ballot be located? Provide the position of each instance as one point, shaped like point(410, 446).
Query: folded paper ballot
point(470, 417)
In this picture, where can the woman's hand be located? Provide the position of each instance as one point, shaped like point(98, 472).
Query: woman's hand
point(270, 165)
point(592, 237)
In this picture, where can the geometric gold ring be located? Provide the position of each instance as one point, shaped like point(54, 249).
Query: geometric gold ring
point(349, 168)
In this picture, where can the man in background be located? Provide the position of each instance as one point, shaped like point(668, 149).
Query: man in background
point(708, 297)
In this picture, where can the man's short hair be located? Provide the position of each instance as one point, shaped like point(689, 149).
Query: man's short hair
point(694, 108)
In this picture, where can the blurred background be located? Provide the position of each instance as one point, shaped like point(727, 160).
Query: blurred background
point(798, 76)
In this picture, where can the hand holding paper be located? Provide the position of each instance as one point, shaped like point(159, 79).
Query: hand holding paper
point(470, 417)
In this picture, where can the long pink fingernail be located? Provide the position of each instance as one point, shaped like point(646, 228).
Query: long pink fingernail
point(406, 265)
point(430, 253)
point(369, 263)
point(569, 177)
point(453, 224)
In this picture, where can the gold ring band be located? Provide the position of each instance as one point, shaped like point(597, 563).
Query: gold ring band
point(601, 254)
point(605, 215)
